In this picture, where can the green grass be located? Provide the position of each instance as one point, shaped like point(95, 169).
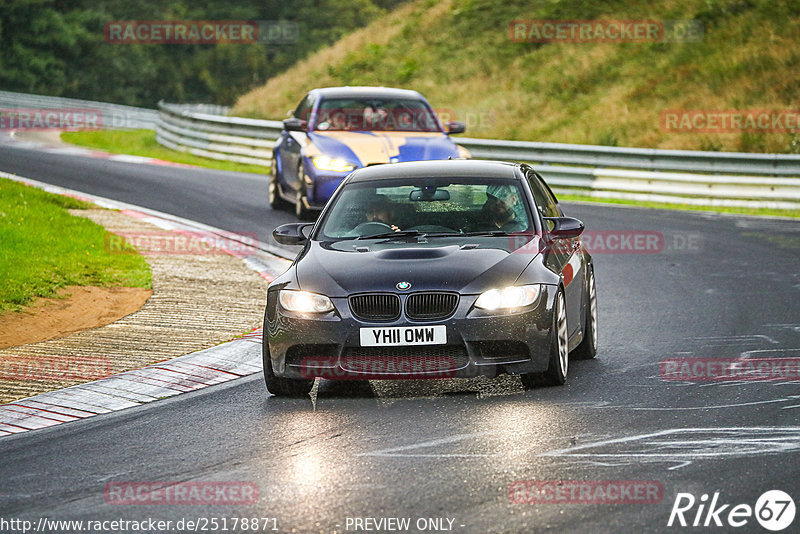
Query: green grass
point(677, 206)
point(43, 248)
point(458, 54)
point(143, 143)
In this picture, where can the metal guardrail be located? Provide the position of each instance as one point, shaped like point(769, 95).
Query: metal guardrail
point(190, 128)
point(754, 180)
point(114, 116)
point(650, 159)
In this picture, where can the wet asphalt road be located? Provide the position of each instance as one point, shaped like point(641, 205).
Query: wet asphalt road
point(719, 287)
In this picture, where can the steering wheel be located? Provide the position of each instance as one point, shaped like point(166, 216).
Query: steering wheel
point(372, 228)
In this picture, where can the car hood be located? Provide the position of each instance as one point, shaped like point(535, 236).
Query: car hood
point(369, 148)
point(338, 273)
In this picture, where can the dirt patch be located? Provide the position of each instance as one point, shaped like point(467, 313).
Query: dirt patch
point(199, 300)
point(80, 308)
point(46, 137)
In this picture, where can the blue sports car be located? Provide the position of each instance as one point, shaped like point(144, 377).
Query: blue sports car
point(339, 129)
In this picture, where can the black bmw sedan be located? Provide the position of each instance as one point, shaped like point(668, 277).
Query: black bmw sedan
point(432, 269)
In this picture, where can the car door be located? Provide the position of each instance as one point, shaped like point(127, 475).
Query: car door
point(563, 255)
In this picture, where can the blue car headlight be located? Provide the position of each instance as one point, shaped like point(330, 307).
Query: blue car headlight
point(327, 163)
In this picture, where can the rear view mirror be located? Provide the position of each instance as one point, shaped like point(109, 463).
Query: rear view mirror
point(429, 194)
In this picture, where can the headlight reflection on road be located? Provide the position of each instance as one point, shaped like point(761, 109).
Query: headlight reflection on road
point(308, 464)
point(307, 469)
point(522, 427)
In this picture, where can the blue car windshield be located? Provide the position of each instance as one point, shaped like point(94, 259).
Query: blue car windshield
point(372, 114)
point(434, 207)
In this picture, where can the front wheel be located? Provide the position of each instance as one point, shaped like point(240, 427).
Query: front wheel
point(588, 347)
point(558, 365)
point(279, 386)
point(301, 198)
point(275, 200)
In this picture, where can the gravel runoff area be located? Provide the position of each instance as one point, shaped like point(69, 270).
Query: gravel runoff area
point(199, 300)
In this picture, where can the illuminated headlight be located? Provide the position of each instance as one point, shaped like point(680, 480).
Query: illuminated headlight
point(508, 297)
point(305, 302)
point(327, 163)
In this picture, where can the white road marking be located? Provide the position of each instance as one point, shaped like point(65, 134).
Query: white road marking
point(731, 340)
point(686, 444)
point(758, 353)
point(430, 443)
point(434, 455)
point(681, 408)
point(682, 464)
point(129, 159)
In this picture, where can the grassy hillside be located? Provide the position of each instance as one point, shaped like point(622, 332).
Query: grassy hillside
point(458, 53)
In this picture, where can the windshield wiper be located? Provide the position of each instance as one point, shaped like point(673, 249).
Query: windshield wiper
point(488, 233)
point(402, 233)
point(445, 234)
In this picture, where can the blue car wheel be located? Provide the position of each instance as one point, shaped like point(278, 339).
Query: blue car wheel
point(301, 198)
point(275, 199)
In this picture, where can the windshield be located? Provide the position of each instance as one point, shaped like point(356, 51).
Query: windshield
point(375, 114)
point(432, 207)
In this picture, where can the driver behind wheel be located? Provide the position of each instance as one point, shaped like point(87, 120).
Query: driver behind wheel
point(381, 211)
point(504, 208)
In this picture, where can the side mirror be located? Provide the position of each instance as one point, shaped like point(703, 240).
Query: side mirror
point(291, 234)
point(565, 227)
point(294, 124)
point(456, 127)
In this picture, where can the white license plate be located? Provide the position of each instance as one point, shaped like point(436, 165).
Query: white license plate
point(403, 336)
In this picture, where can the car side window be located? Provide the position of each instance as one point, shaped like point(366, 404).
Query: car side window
point(545, 201)
point(304, 108)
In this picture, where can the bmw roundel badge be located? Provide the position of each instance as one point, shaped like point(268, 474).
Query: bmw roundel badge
point(402, 286)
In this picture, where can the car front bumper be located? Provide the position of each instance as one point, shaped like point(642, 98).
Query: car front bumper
point(320, 186)
point(478, 343)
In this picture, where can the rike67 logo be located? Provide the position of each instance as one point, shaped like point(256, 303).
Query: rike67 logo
point(774, 510)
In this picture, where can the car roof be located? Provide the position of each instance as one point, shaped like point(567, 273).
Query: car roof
point(369, 92)
point(500, 170)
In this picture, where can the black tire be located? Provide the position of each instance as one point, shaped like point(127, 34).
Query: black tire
point(588, 347)
point(273, 189)
point(279, 386)
point(558, 365)
point(300, 201)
